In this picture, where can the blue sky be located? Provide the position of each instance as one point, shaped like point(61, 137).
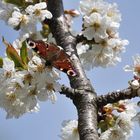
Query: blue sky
point(46, 124)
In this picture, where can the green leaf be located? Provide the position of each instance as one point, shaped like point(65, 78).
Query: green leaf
point(13, 55)
point(23, 3)
point(102, 125)
point(16, 2)
point(38, 1)
point(1, 62)
point(24, 53)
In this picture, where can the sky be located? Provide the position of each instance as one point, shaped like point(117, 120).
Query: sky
point(46, 124)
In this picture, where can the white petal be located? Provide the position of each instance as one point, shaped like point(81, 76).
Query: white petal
point(8, 65)
point(30, 9)
point(128, 68)
point(13, 22)
point(41, 5)
point(46, 14)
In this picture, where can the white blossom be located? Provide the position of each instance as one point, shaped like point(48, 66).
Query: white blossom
point(35, 64)
point(89, 6)
point(28, 30)
point(46, 85)
point(136, 118)
point(95, 27)
point(22, 21)
point(39, 11)
point(18, 18)
point(130, 107)
point(99, 27)
point(8, 67)
point(113, 134)
point(6, 10)
point(123, 126)
point(113, 12)
point(104, 54)
point(21, 90)
point(69, 130)
point(44, 79)
point(125, 123)
point(101, 21)
point(12, 99)
point(136, 67)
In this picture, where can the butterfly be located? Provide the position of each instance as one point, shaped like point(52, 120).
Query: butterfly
point(53, 55)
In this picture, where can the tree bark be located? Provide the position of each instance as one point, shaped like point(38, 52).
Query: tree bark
point(116, 96)
point(102, 100)
point(86, 102)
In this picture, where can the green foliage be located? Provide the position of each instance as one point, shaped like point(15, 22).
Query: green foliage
point(19, 3)
point(23, 3)
point(13, 55)
point(45, 30)
point(107, 123)
point(109, 114)
point(1, 62)
point(24, 53)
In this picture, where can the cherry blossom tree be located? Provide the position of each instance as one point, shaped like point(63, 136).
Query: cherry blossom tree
point(30, 71)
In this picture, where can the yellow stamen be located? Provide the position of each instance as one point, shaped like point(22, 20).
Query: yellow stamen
point(49, 86)
point(11, 96)
point(37, 12)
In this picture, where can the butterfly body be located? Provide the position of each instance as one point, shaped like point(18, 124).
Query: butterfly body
point(53, 55)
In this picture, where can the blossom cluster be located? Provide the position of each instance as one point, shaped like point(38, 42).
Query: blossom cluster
point(24, 18)
point(69, 130)
point(24, 84)
point(135, 83)
point(24, 78)
point(116, 124)
point(119, 120)
point(101, 21)
point(136, 67)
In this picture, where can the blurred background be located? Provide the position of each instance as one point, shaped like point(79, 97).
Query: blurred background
point(46, 124)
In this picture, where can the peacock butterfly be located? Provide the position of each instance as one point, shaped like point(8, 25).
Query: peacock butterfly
point(54, 55)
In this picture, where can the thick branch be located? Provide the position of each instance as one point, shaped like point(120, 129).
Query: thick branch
point(116, 96)
point(64, 38)
point(102, 100)
point(87, 110)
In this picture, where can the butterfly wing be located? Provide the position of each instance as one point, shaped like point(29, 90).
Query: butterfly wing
point(53, 55)
point(62, 61)
point(65, 66)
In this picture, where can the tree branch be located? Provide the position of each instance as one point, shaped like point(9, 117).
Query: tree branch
point(69, 92)
point(116, 96)
point(103, 100)
point(87, 110)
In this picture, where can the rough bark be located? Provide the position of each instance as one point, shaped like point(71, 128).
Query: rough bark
point(86, 102)
point(102, 100)
point(116, 96)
